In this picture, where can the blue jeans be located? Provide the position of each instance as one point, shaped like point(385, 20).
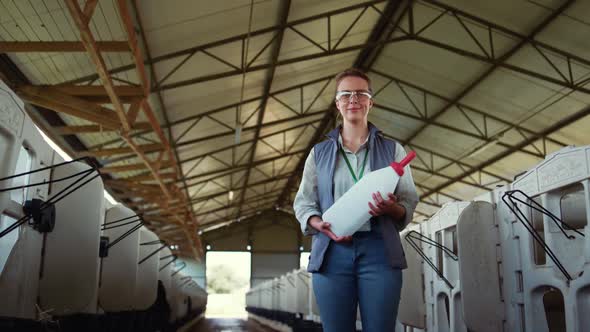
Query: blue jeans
point(358, 273)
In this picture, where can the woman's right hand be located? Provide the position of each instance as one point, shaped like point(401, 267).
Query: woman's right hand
point(325, 227)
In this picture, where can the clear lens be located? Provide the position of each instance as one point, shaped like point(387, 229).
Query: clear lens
point(345, 96)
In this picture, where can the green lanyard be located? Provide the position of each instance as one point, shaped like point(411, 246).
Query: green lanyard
point(350, 167)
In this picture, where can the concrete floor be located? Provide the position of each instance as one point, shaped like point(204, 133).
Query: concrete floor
point(229, 325)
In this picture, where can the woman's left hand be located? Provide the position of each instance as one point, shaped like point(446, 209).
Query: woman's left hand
point(389, 206)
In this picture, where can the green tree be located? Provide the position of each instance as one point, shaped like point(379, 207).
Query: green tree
point(223, 279)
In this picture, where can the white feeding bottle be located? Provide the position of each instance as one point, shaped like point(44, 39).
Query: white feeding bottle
point(351, 210)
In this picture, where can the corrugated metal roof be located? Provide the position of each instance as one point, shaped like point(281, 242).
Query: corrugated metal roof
point(457, 81)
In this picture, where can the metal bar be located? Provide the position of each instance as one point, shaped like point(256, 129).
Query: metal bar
point(225, 108)
point(234, 39)
point(484, 113)
point(180, 269)
point(60, 46)
point(555, 127)
point(197, 200)
point(175, 69)
point(358, 17)
point(318, 55)
point(234, 169)
point(471, 35)
point(264, 125)
point(94, 53)
point(170, 262)
point(285, 105)
point(495, 62)
point(173, 157)
point(267, 45)
point(308, 39)
point(124, 235)
point(450, 128)
point(284, 8)
point(258, 198)
point(383, 29)
point(152, 254)
point(510, 32)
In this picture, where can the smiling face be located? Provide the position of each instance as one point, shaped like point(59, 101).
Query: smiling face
point(354, 108)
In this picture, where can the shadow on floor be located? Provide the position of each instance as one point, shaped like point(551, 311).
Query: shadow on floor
point(229, 325)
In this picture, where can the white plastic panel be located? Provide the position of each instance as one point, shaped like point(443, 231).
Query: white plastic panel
point(282, 293)
point(268, 266)
point(291, 293)
point(12, 113)
point(477, 235)
point(173, 295)
point(11, 123)
point(22, 149)
point(560, 183)
point(178, 299)
point(71, 265)
point(19, 286)
point(442, 228)
point(8, 241)
point(302, 284)
point(511, 263)
point(24, 163)
point(566, 166)
point(266, 296)
point(493, 248)
point(412, 308)
point(164, 275)
point(197, 295)
point(119, 269)
point(583, 306)
point(40, 155)
point(146, 289)
point(9, 306)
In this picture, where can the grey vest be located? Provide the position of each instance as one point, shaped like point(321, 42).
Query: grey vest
point(381, 152)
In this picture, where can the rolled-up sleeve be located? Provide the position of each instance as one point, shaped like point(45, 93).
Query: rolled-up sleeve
point(406, 190)
point(306, 202)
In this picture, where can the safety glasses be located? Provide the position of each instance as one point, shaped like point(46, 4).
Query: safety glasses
point(346, 96)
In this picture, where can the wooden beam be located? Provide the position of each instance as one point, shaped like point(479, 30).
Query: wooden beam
point(169, 220)
point(90, 44)
point(72, 130)
point(156, 126)
point(134, 111)
point(167, 230)
point(101, 119)
point(161, 219)
point(50, 93)
point(89, 129)
point(89, 9)
point(103, 100)
point(132, 167)
point(171, 212)
point(144, 196)
point(98, 90)
point(189, 213)
point(133, 44)
point(61, 46)
point(132, 186)
point(171, 206)
point(126, 149)
point(140, 153)
point(146, 201)
point(149, 177)
point(96, 57)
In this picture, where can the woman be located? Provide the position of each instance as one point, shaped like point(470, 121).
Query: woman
point(365, 268)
